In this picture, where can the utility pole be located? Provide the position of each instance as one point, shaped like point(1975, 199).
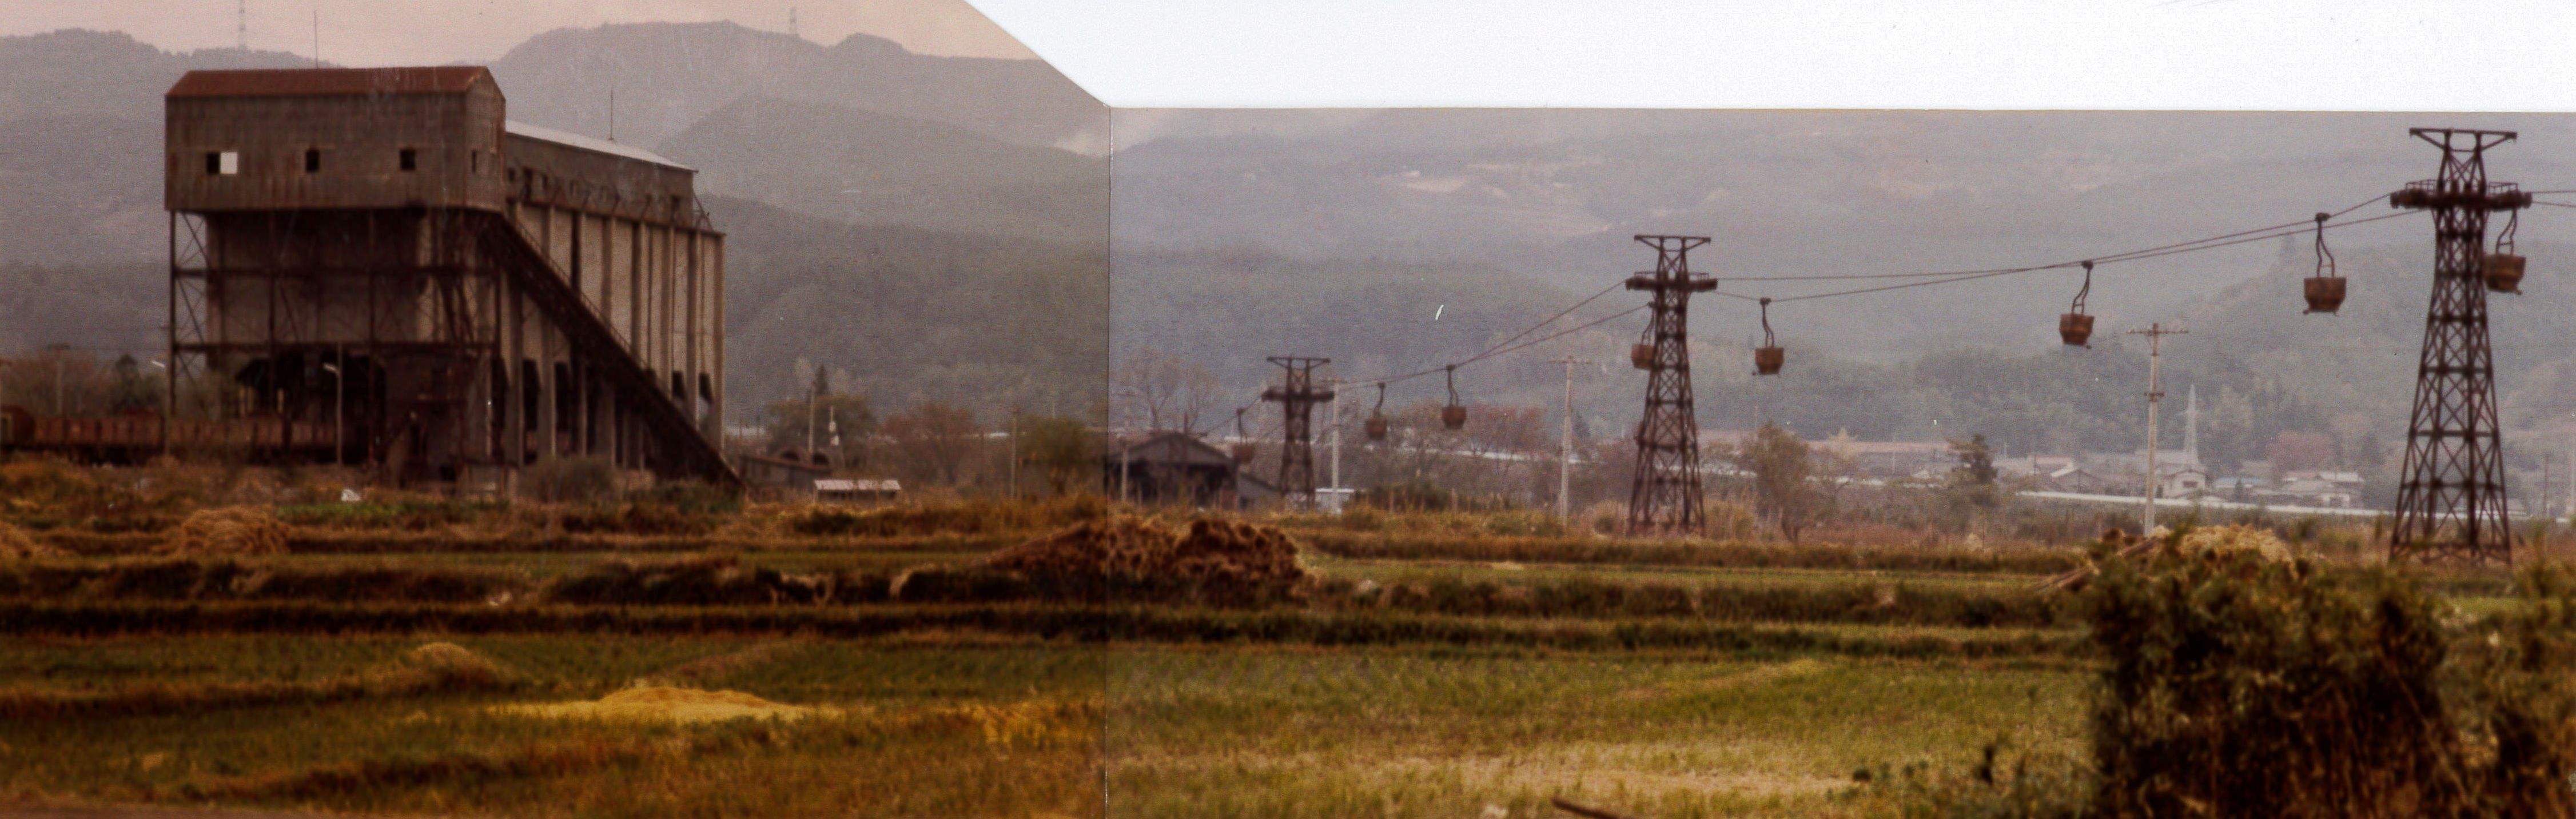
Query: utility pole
point(61, 353)
point(1334, 411)
point(1665, 498)
point(2451, 502)
point(2155, 334)
point(1565, 442)
point(1297, 396)
point(814, 406)
point(1015, 449)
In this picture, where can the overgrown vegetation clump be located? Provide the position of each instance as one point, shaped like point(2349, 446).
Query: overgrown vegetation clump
point(2242, 684)
point(1221, 559)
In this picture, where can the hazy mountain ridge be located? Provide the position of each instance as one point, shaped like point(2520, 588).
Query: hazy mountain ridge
point(859, 166)
point(980, 321)
point(671, 75)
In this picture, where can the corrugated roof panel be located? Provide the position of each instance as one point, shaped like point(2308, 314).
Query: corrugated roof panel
point(568, 138)
point(330, 82)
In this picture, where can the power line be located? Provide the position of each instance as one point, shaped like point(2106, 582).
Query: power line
point(1514, 343)
point(2301, 226)
point(2138, 256)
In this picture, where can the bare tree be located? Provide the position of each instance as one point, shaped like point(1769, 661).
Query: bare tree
point(1781, 468)
point(933, 442)
point(1162, 387)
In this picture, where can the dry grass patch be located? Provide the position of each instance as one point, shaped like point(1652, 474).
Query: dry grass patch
point(657, 703)
point(16, 545)
point(231, 531)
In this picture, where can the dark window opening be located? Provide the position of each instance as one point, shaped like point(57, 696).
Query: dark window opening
point(410, 159)
point(312, 160)
point(214, 162)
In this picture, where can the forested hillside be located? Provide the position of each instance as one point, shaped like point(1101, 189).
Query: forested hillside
point(980, 321)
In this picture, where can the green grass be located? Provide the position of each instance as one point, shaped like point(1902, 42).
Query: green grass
point(1388, 571)
point(1280, 733)
point(546, 565)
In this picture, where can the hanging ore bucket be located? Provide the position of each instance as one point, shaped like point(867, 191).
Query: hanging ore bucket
point(2325, 294)
point(1767, 360)
point(2504, 267)
point(1453, 416)
point(2075, 327)
point(1768, 357)
point(1376, 425)
point(1242, 453)
point(2325, 289)
point(1642, 355)
point(2504, 272)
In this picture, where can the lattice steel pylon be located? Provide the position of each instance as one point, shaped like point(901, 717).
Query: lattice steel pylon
point(2451, 504)
point(1297, 396)
point(1665, 498)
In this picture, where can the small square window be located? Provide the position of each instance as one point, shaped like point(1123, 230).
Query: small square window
point(312, 160)
point(223, 163)
point(410, 159)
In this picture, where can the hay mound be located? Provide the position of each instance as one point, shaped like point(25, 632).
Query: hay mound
point(2221, 540)
point(457, 665)
point(667, 704)
point(16, 544)
point(1211, 552)
point(230, 531)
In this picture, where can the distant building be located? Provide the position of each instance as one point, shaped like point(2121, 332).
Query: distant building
point(381, 254)
point(2330, 489)
point(857, 490)
point(1171, 468)
point(1890, 459)
point(781, 476)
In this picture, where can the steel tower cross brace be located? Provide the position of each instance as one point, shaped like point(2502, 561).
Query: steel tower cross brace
point(2451, 503)
point(1665, 498)
point(1297, 396)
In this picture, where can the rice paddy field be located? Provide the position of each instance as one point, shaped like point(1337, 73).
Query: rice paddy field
point(785, 674)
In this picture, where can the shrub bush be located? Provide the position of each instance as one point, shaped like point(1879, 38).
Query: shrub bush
point(2242, 685)
point(579, 479)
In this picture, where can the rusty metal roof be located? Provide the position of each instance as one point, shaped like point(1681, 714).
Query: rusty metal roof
point(330, 82)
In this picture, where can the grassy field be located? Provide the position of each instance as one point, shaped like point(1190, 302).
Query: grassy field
point(1420, 674)
point(1207, 731)
point(929, 727)
point(1257, 733)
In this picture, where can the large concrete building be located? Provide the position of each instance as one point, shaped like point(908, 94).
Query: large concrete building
point(455, 296)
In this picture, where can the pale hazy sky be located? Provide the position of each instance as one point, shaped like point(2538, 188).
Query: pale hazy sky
point(414, 32)
point(2173, 54)
point(2503, 55)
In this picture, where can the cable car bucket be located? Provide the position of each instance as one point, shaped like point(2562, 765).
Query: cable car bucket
point(2075, 327)
point(2325, 289)
point(1242, 448)
point(1453, 416)
point(1376, 425)
point(2504, 267)
point(1768, 357)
